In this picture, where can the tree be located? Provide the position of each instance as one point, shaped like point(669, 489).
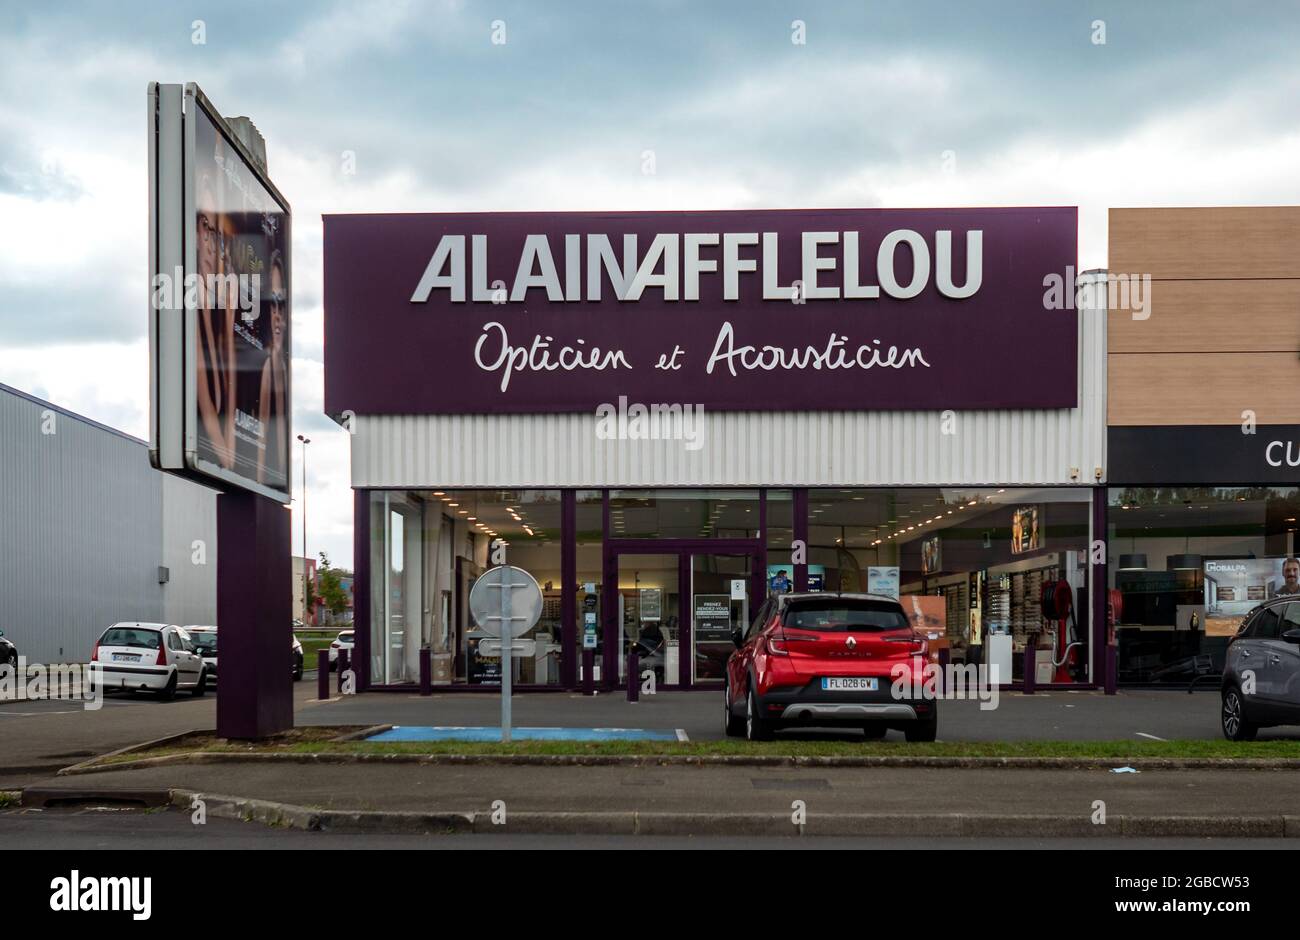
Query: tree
point(329, 586)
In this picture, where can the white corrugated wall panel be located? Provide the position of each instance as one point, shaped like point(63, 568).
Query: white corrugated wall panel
point(845, 448)
point(81, 530)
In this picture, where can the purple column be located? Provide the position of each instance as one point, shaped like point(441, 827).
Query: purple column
point(426, 671)
point(569, 626)
point(255, 614)
point(686, 628)
point(801, 534)
point(361, 586)
point(1103, 655)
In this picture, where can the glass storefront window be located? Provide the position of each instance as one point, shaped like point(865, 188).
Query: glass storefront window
point(427, 549)
point(1185, 565)
point(683, 514)
point(399, 586)
point(779, 538)
point(970, 564)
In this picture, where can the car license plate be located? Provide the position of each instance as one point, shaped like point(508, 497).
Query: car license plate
point(848, 684)
point(126, 657)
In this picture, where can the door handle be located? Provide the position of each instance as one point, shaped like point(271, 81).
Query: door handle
point(1245, 654)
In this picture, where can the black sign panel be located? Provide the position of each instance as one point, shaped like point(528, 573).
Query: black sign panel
point(1204, 454)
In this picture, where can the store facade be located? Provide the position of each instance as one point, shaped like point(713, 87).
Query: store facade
point(1203, 433)
point(667, 416)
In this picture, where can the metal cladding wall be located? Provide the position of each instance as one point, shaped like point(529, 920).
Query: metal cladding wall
point(82, 520)
point(189, 517)
point(848, 448)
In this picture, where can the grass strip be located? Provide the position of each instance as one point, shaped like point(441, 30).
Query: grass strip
point(1108, 750)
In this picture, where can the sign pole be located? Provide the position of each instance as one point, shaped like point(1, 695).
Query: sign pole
point(507, 651)
point(497, 618)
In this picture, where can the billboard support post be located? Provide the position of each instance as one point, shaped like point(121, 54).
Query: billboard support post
point(255, 612)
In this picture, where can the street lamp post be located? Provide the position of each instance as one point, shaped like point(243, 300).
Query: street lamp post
point(305, 612)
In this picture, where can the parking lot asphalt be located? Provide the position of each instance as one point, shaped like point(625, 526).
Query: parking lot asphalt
point(38, 738)
point(1057, 716)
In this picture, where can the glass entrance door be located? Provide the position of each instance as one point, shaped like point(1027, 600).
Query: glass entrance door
point(720, 603)
point(648, 615)
point(679, 608)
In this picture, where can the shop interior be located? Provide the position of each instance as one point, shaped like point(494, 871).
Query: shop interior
point(1185, 565)
point(970, 566)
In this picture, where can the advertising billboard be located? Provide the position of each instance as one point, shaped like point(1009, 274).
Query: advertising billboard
point(1026, 530)
point(221, 281)
point(882, 580)
point(931, 555)
point(1236, 586)
point(799, 309)
point(780, 578)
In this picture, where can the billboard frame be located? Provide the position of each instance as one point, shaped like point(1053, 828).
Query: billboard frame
point(173, 441)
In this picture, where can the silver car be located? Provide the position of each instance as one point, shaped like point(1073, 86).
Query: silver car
point(1261, 678)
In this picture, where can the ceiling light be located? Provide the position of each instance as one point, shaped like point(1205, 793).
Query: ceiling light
point(1134, 562)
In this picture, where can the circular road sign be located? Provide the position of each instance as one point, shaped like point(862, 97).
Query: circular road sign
point(485, 601)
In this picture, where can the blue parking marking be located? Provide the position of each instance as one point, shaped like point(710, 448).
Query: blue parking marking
point(450, 733)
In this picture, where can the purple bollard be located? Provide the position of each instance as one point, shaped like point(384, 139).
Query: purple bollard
point(588, 672)
point(633, 675)
point(323, 674)
point(426, 671)
point(1030, 679)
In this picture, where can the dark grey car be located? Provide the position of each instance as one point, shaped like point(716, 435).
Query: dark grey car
point(1261, 678)
point(8, 652)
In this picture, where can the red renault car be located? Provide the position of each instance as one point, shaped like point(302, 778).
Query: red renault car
point(827, 660)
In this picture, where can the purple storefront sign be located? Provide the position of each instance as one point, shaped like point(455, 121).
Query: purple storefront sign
point(841, 309)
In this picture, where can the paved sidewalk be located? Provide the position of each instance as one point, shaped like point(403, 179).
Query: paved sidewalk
point(723, 789)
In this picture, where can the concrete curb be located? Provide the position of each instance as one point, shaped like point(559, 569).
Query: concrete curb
point(272, 813)
point(129, 749)
point(362, 733)
point(98, 765)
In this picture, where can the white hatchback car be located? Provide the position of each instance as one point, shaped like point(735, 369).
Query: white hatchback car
point(154, 657)
point(344, 641)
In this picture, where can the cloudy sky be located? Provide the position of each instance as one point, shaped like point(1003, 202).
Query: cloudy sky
point(908, 103)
